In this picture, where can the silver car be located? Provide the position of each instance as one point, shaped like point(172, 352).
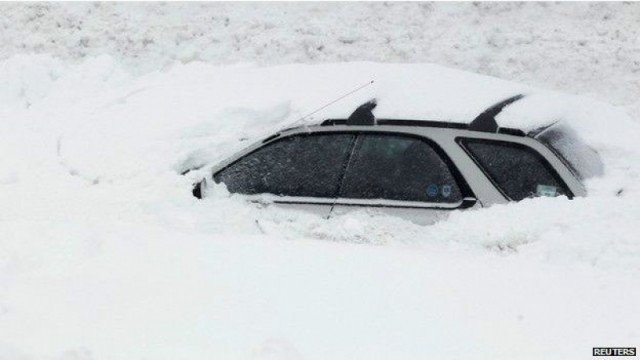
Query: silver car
point(416, 169)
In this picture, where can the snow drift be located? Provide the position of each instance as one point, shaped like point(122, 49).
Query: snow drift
point(105, 254)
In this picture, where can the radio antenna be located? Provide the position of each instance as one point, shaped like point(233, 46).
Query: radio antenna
point(334, 101)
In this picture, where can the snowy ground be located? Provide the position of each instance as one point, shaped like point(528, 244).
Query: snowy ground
point(104, 254)
point(582, 47)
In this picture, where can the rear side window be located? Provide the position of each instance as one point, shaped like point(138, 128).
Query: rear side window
point(396, 167)
point(518, 171)
point(303, 165)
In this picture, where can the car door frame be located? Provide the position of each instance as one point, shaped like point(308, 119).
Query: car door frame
point(420, 212)
point(469, 199)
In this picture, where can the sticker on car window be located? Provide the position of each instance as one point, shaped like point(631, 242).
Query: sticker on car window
point(446, 190)
point(546, 190)
point(432, 190)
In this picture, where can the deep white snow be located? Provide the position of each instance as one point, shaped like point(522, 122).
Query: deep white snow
point(104, 253)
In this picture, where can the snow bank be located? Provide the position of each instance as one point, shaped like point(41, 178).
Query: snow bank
point(105, 254)
point(582, 48)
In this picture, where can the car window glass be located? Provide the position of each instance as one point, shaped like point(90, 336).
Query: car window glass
point(583, 161)
point(398, 167)
point(303, 165)
point(518, 171)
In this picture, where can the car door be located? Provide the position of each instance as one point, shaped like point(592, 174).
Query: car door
point(402, 175)
point(301, 171)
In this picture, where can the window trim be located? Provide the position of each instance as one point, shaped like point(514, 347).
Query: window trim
point(464, 203)
point(465, 190)
point(266, 198)
point(460, 140)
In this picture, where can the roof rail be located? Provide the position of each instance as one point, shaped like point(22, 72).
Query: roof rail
point(423, 123)
point(486, 121)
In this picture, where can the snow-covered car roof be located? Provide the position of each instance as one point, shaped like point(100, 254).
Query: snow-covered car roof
point(256, 102)
point(581, 159)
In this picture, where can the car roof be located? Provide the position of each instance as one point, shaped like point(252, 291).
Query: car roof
point(583, 161)
point(484, 122)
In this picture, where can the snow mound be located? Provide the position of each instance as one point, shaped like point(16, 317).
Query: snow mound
point(104, 253)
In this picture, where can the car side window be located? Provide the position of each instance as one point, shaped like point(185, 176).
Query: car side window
point(397, 167)
point(309, 165)
point(517, 170)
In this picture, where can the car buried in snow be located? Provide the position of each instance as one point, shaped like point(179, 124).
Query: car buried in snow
point(417, 169)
